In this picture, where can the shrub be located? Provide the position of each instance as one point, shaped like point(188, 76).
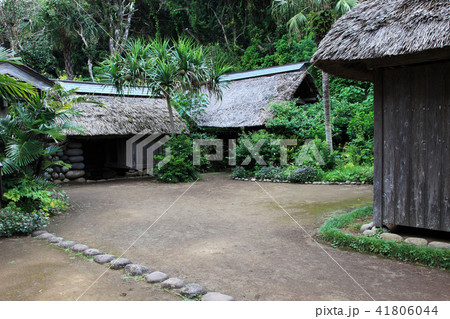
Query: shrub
point(14, 221)
point(29, 205)
point(350, 173)
point(303, 174)
point(28, 195)
point(180, 168)
point(269, 151)
point(239, 172)
point(359, 151)
point(308, 157)
point(330, 231)
point(270, 172)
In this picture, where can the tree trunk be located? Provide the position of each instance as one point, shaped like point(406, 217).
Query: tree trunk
point(68, 62)
point(326, 109)
point(169, 106)
point(91, 74)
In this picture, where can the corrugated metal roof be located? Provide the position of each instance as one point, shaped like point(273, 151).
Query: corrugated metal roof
point(101, 89)
point(264, 72)
point(106, 89)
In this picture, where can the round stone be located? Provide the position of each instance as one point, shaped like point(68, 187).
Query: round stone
point(74, 174)
point(366, 227)
point(74, 152)
point(56, 240)
point(156, 277)
point(45, 236)
point(136, 270)
point(103, 259)
point(76, 159)
point(79, 248)
point(92, 252)
point(416, 241)
point(67, 244)
point(74, 145)
point(78, 166)
point(192, 290)
point(391, 236)
point(80, 180)
point(439, 244)
point(65, 169)
point(216, 296)
point(38, 232)
point(119, 263)
point(172, 283)
point(369, 232)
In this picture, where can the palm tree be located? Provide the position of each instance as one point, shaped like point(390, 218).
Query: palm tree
point(295, 14)
point(164, 67)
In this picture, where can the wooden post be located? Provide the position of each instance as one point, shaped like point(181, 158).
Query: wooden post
point(378, 151)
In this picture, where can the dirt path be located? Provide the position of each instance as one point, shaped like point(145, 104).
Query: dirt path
point(231, 237)
point(34, 270)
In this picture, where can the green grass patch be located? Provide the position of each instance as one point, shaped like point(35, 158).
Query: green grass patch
point(331, 232)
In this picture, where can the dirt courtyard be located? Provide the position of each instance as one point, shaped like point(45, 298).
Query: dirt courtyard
point(228, 236)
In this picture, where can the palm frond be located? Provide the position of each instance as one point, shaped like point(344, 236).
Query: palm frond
point(24, 152)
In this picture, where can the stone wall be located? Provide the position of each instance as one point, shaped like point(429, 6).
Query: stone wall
point(72, 153)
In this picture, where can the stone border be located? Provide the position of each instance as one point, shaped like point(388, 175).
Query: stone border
point(370, 230)
point(253, 179)
point(159, 279)
point(385, 244)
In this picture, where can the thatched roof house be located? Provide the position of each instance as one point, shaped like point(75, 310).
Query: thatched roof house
point(384, 33)
point(402, 46)
point(116, 135)
point(246, 97)
point(133, 113)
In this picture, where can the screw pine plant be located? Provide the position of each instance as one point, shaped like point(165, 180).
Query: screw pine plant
point(165, 67)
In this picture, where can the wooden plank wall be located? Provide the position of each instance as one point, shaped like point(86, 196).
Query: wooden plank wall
point(412, 135)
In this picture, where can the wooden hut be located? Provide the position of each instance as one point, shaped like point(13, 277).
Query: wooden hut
point(403, 47)
point(247, 95)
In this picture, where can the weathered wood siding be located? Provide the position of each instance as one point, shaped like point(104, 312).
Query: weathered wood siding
point(412, 135)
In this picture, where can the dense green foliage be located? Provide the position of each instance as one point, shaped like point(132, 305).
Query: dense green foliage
point(29, 205)
point(31, 128)
point(352, 119)
point(36, 121)
point(180, 168)
point(330, 231)
point(350, 173)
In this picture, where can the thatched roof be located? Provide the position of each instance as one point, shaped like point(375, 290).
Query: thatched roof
point(126, 116)
point(384, 33)
point(246, 98)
